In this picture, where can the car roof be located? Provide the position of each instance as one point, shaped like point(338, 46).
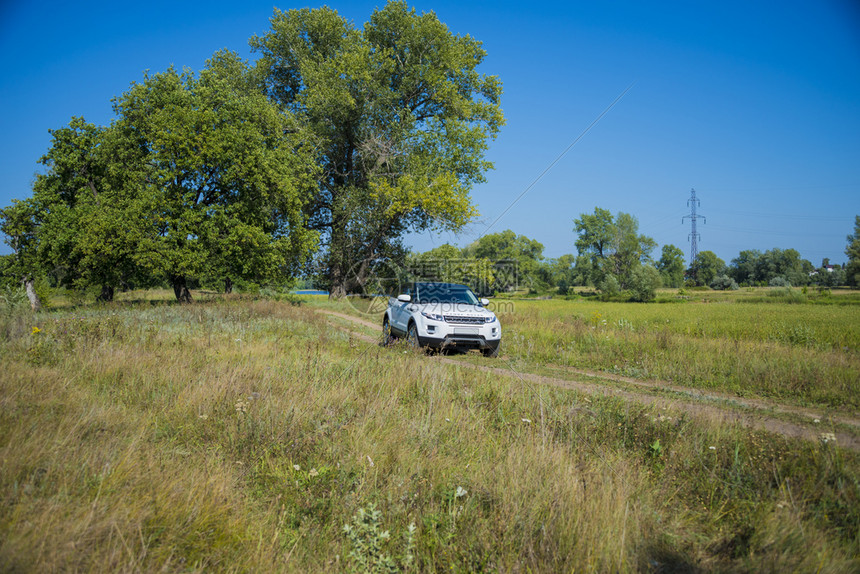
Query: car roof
point(436, 286)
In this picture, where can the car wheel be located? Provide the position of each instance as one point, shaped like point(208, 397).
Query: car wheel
point(492, 353)
point(387, 336)
point(412, 336)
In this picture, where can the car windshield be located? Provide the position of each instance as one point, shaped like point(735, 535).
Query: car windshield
point(445, 294)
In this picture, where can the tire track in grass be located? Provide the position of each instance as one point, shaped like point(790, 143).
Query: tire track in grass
point(694, 404)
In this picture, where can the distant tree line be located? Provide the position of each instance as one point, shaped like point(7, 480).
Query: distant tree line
point(615, 260)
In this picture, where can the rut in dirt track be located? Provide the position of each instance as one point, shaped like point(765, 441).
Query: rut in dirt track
point(694, 404)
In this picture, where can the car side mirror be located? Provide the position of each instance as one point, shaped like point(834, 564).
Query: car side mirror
point(485, 301)
point(404, 298)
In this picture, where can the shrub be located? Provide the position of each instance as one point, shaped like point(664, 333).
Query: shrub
point(723, 283)
point(367, 543)
point(609, 286)
point(779, 281)
point(644, 282)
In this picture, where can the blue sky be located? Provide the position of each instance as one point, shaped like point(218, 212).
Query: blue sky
point(756, 105)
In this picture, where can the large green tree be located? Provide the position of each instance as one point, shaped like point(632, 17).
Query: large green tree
point(852, 250)
point(744, 267)
point(226, 176)
point(401, 118)
point(86, 198)
point(77, 220)
point(561, 272)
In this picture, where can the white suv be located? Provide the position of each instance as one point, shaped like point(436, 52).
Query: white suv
point(440, 316)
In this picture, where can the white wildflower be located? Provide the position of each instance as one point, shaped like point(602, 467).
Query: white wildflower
point(526, 420)
point(460, 492)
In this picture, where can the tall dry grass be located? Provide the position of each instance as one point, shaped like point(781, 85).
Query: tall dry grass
point(244, 435)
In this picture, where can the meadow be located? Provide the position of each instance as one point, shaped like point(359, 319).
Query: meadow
point(762, 344)
point(251, 434)
point(807, 355)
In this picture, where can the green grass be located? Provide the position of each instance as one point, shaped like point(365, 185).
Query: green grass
point(802, 354)
point(242, 435)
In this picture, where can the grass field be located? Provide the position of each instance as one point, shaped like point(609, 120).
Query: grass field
point(745, 343)
point(254, 435)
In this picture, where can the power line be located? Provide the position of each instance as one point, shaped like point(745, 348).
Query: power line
point(804, 217)
point(550, 166)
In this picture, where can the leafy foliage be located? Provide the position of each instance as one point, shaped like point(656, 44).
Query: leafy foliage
point(367, 541)
point(671, 266)
point(723, 282)
point(644, 282)
point(613, 247)
point(449, 264)
point(753, 267)
point(198, 175)
point(227, 175)
point(515, 259)
point(705, 268)
point(401, 119)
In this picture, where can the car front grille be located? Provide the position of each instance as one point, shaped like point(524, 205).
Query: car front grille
point(464, 320)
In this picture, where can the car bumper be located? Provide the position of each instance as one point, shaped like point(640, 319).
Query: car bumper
point(445, 335)
point(459, 342)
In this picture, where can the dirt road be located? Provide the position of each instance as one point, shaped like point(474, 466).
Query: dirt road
point(752, 413)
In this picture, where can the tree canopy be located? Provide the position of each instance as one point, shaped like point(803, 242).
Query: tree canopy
point(227, 176)
point(197, 175)
point(450, 264)
point(752, 267)
point(401, 119)
point(705, 268)
point(515, 258)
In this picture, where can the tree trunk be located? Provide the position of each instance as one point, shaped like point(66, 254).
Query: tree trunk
point(106, 295)
point(180, 289)
point(337, 268)
point(29, 285)
point(228, 285)
point(337, 291)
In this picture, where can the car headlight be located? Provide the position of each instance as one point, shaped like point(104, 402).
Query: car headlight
point(434, 316)
point(490, 319)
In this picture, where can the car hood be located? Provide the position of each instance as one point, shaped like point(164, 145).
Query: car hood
point(456, 309)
